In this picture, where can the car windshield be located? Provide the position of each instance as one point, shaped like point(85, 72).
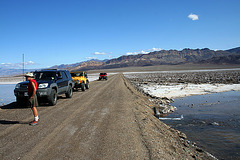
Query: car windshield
point(45, 75)
point(103, 73)
point(77, 74)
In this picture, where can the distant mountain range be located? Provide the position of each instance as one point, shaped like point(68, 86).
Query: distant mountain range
point(173, 57)
point(13, 72)
point(163, 57)
point(75, 66)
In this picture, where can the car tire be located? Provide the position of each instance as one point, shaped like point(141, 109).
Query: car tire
point(87, 85)
point(53, 98)
point(83, 87)
point(69, 92)
point(20, 101)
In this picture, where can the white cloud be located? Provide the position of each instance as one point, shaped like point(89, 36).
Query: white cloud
point(144, 51)
point(156, 49)
point(29, 63)
point(193, 17)
point(16, 65)
point(91, 58)
point(132, 53)
point(99, 53)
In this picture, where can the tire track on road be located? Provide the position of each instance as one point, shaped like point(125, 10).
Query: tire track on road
point(67, 121)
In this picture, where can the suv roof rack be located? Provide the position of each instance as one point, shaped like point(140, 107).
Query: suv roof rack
point(49, 69)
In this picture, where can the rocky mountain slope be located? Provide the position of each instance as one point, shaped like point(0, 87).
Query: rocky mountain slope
point(172, 57)
point(85, 64)
point(91, 64)
point(166, 57)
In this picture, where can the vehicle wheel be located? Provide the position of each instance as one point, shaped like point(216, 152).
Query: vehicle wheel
point(83, 87)
point(87, 85)
point(69, 92)
point(53, 98)
point(20, 101)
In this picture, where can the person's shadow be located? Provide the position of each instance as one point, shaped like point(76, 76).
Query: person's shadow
point(12, 105)
point(4, 122)
point(9, 122)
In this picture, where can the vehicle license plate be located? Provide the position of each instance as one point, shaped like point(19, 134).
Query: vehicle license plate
point(26, 94)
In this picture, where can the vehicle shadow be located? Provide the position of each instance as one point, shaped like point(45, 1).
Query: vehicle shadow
point(78, 90)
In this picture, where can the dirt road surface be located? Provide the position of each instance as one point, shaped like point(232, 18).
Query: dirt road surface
point(109, 121)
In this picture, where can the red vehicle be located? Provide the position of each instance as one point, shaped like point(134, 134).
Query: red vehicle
point(103, 76)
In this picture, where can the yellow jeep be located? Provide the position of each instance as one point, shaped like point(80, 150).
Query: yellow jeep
point(81, 80)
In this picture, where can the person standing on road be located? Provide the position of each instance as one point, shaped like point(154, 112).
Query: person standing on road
point(32, 97)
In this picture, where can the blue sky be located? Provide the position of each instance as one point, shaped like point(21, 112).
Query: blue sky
point(53, 32)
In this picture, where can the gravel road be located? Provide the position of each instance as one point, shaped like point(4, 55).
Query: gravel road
point(109, 121)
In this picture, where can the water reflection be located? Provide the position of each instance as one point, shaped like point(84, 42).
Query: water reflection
point(212, 121)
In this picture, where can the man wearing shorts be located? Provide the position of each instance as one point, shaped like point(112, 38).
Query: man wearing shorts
point(32, 97)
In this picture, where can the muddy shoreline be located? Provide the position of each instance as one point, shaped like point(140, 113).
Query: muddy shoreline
point(163, 104)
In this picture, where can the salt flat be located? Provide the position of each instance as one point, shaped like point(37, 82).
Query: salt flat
point(183, 90)
point(181, 83)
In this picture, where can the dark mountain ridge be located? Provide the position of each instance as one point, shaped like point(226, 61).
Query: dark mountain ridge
point(234, 50)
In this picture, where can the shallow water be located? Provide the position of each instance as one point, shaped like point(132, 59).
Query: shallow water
point(212, 121)
point(7, 93)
